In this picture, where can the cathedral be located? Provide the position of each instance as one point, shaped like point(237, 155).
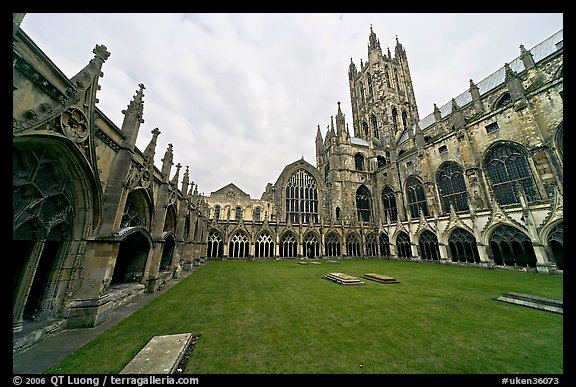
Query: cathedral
point(477, 182)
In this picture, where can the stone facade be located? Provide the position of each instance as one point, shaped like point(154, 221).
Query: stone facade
point(477, 182)
point(95, 223)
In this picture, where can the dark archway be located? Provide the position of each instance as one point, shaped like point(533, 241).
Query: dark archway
point(131, 259)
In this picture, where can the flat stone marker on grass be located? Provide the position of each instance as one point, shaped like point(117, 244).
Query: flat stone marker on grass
point(380, 278)
point(536, 302)
point(343, 279)
point(161, 355)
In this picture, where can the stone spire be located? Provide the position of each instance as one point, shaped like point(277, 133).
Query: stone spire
point(133, 118)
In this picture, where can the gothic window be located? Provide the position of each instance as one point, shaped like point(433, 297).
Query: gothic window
point(416, 197)
point(511, 247)
point(288, 246)
point(302, 198)
point(311, 246)
point(353, 245)
point(395, 119)
point(170, 220)
point(167, 253)
point(384, 245)
point(239, 245)
point(131, 216)
point(264, 246)
point(389, 204)
point(462, 246)
point(504, 100)
point(365, 127)
point(371, 246)
point(507, 168)
point(363, 203)
point(337, 213)
point(380, 161)
point(257, 214)
point(215, 248)
point(387, 76)
point(429, 246)
point(332, 245)
point(404, 120)
point(370, 90)
point(359, 162)
point(403, 245)
point(556, 245)
point(396, 79)
point(375, 126)
point(452, 188)
point(186, 227)
point(217, 212)
point(238, 213)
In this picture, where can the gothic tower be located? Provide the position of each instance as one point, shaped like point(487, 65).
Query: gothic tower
point(382, 95)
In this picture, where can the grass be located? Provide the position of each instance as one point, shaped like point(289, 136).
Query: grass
point(279, 317)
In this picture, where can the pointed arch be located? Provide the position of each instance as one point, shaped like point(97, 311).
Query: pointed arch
point(507, 166)
point(132, 255)
point(371, 245)
point(332, 244)
point(353, 245)
point(310, 244)
point(288, 245)
point(359, 160)
point(389, 204)
point(403, 246)
point(451, 187)
point(462, 246)
point(363, 204)
point(416, 197)
point(511, 247)
point(384, 242)
point(264, 245)
point(428, 243)
point(215, 248)
point(302, 198)
point(239, 245)
point(170, 219)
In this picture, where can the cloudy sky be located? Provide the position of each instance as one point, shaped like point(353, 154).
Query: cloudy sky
point(240, 96)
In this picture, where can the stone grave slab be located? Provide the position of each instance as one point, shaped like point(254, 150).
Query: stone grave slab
point(161, 355)
point(343, 279)
point(536, 302)
point(384, 279)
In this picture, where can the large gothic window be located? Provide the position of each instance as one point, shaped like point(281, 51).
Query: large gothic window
point(363, 203)
point(359, 162)
point(452, 188)
point(332, 245)
point(302, 198)
point(507, 168)
point(429, 246)
point(403, 247)
point(389, 204)
point(511, 247)
point(463, 247)
point(416, 197)
point(264, 246)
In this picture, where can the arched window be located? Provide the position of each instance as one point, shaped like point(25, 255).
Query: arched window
point(507, 168)
point(332, 245)
point(264, 246)
point(384, 245)
point(239, 245)
point(215, 248)
point(337, 213)
point(452, 188)
point(375, 126)
point(389, 204)
point(257, 214)
point(238, 213)
point(363, 203)
point(302, 198)
point(462, 246)
point(359, 162)
point(380, 161)
point(556, 245)
point(396, 79)
point(416, 197)
point(403, 245)
point(511, 247)
point(365, 129)
point(404, 120)
point(371, 246)
point(288, 246)
point(353, 245)
point(395, 120)
point(217, 212)
point(311, 245)
point(429, 246)
point(506, 99)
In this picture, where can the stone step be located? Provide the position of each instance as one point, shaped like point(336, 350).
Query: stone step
point(161, 355)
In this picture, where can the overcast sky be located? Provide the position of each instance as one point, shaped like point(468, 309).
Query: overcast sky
point(240, 96)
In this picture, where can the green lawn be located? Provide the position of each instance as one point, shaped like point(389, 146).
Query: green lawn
point(280, 317)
